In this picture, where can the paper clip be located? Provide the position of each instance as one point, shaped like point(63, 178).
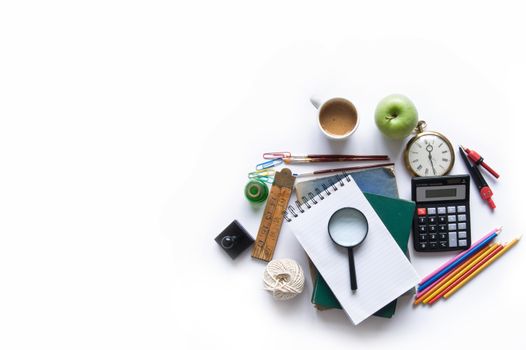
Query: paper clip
point(267, 179)
point(275, 155)
point(269, 164)
point(261, 173)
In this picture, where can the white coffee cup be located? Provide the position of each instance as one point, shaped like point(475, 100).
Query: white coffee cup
point(337, 117)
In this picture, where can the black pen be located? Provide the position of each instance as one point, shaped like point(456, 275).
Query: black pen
point(484, 190)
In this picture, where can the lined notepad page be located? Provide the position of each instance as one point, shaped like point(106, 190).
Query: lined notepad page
point(382, 270)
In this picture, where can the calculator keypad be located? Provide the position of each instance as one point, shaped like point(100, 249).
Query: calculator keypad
point(441, 228)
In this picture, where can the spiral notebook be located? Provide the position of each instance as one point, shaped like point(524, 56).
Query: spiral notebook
point(382, 269)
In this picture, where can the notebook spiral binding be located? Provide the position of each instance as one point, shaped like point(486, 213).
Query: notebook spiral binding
point(300, 207)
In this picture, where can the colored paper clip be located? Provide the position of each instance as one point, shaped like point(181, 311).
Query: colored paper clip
point(275, 155)
point(267, 179)
point(261, 173)
point(269, 163)
point(265, 175)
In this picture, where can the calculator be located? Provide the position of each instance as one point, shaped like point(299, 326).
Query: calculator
point(441, 221)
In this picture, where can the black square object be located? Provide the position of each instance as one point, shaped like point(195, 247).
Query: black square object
point(234, 239)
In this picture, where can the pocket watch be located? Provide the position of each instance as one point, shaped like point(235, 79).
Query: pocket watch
point(428, 153)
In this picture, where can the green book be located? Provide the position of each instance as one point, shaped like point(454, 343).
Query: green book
point(397, 216)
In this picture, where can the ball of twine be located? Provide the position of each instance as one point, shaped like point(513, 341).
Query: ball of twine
point(284, 278)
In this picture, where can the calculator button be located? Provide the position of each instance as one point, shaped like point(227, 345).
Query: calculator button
point(423, 237)
point(421, 211)
point(452, 227)
point(422, 220)
point(451, 210)
point(432, 220)
point(423, 245)
point(432, 229)
point(462, 217)
point(432, 237)
point(462, 234)
point(462, 243)
point(433, 245)
point(452, 239)
point(442, 220)
point(442, 228)
point(462, 226)
point(441, 210)
point(442, 236)
point(442, 244)
point(422, 229)
point(461, 209)
point(431, 211)
point(451, 218)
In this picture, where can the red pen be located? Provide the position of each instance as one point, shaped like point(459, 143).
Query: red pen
point(478, 160)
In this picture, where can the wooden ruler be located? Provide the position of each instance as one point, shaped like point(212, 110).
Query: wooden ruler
point(275, 208)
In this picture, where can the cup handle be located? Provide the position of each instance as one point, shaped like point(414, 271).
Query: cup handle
point(316, 102)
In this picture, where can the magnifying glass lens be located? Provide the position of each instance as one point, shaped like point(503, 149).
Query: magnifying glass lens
point(348, 227)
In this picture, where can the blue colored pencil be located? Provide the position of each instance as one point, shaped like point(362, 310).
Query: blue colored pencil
point(466, 256)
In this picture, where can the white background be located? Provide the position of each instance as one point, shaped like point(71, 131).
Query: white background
point(127, 129)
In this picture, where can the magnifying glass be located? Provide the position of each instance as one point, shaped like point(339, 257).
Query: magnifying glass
point(348, 228)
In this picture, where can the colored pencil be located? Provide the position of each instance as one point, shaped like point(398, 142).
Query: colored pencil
point(459, 273)
point(425, 293)
point(482, 267)
point(462, 277)
point(452, 260)
point(472, 251)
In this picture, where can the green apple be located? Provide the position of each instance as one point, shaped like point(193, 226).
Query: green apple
point(396, 116)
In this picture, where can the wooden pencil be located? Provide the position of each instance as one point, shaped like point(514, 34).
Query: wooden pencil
point(472, 262)
point(465, 275)
point(472, 251)
point(445, 278)
point(452, 260)
point(482, 267)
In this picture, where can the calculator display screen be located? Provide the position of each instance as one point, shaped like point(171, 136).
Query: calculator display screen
point(440, 193)
point(445, 192)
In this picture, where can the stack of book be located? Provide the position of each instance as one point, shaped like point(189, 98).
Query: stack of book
point(380, 189)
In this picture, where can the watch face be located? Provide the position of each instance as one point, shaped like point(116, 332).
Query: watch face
point(430, 154)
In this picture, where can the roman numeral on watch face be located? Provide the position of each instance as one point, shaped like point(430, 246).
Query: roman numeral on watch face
point(429, 155)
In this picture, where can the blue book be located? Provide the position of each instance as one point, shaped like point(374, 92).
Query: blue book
point(380, 181)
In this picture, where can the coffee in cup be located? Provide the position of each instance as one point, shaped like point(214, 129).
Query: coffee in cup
point(337, 117)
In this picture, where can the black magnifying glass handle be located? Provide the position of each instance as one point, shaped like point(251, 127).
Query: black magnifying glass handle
point(352, 270)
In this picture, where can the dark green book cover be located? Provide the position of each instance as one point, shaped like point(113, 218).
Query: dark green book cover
point(397, 216)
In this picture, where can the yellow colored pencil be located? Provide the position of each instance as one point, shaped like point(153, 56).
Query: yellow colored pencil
point(472, 262)
point(482, 267)
point(450, 274)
